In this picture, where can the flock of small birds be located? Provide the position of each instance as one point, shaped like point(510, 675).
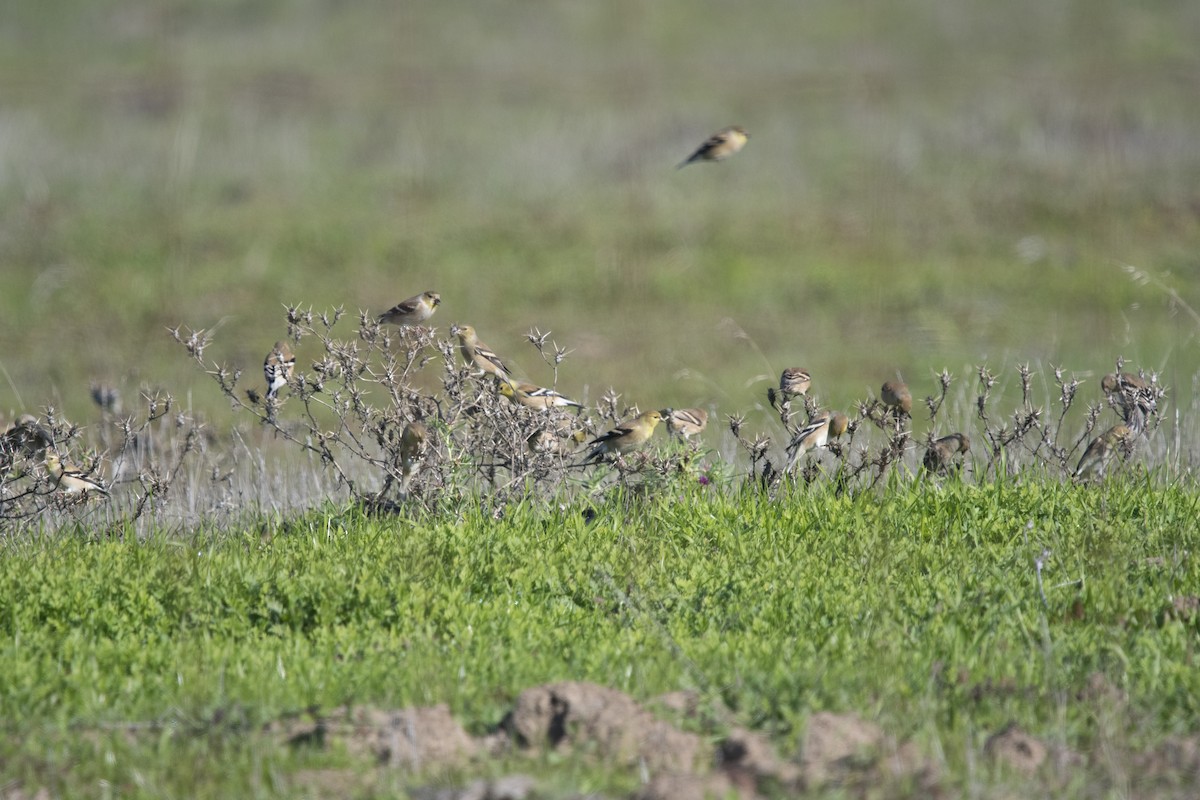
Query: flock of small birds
point(1132, 395)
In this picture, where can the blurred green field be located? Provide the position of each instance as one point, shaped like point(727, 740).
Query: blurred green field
point(929, 184)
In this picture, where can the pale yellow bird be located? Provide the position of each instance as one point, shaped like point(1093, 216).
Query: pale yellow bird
point(896, 398)
point(1101, 450)
point(720, 146)
point(816, 434)
point(625, 436)
point(532, 396)
point(278, 367)
point(685, 422)
point(412, 311)
point(70, 479)
point(940, 455)
point(479, 355)
point(412, 450)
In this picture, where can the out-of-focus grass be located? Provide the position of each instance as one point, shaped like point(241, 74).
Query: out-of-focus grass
point(929, 184)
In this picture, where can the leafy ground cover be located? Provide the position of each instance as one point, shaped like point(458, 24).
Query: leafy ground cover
point(942, 613)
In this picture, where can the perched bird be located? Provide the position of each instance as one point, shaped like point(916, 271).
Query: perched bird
point(412, 450)
point(27, 437)
point(625, 437)
point(793, 382)
point(412, 311)
point(896, 398)
point(940, 455)
point(1101, 450)
point(477, 354)
point(720, 146)
point(1133, 395)
point(70, 479)
point(544, 440)
point(532, 396)
point(278, 368)
point(817, 433)
point(685, 422)
point(107, 396)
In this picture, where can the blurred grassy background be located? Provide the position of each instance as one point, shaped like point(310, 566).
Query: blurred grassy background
point(930, 183)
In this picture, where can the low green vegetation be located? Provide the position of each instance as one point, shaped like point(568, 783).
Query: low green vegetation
point(941, 611)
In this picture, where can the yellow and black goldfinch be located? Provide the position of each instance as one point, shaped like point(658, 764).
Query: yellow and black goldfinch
point(412, 311)
point(817, 433)
point(536, 397)
point(477, 354)
point(720, 146)
point(625, 436)
point(1101, 450)
point(70, 479)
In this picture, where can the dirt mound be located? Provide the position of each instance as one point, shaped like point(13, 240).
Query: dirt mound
point(1017, 749)
point(588, 718)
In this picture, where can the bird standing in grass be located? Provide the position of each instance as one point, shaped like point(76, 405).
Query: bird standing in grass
point(685, 422)
point(896, 398)
point(1101, 450)
point(940, 455)
point(70, 479)
point(625, 436)
point(720, 146)
point(1133, 395)
point(479, 355)
point(532, 396)
point(278, 368)
point(412, 311)
point(817, 433)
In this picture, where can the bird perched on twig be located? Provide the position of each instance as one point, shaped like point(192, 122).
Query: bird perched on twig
point(412, 311)
point(26, 437)
point(1133, 395)
point(940, 455)
point(625, 436)
point(532, 396)
point(479, 355)
point(896, 398)
point(685, 422)
point(817, 433)
point(544, 440)
point(70, 478)
point(720, 146)
point(412, 451)
point(1101, 450)
point(793, 382)
point(278, 367)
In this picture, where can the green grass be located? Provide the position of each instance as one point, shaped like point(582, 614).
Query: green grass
point(918, 608)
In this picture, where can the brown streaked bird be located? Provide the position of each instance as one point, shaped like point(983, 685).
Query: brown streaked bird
point(685, 422)
point(1133, 395)
point(412, 311)
point(278, 367)
point(720, 146)
point(71, 479)
point(535, 397)
point(940, 455)
point(817, 433)
point(794, 382)
point(896, 398)
point(1101, 450)
point(625, 436)
point(27, 437)
point(479, 355)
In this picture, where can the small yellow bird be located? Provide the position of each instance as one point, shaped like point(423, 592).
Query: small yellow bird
point(1101, 450)
point(412, 451)
point(70, 479)
point(625, 436)
point(940, 455)
point(720, 146)
point(479, 355)
point(817, 433)
point(278, 367)
point(532, 396)
point(412, 311)
point(685, 422)
point(896, 398)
